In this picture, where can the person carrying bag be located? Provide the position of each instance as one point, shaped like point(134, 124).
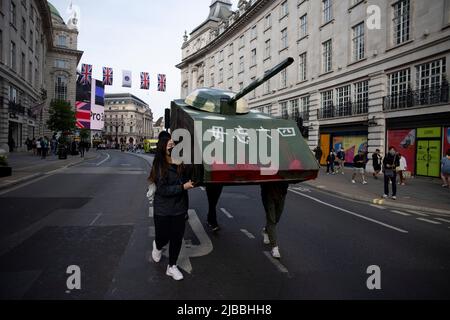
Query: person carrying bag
point(390, 164)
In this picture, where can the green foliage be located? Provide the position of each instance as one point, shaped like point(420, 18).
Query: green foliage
point(3, 161)
point(62, 117)
point(84, 134)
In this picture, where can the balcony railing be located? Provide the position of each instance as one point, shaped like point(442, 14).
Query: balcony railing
point(348, 109)
point(295, 115)
point(414, 98)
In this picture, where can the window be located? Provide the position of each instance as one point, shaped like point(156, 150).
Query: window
point(31, 13)
point(23, 34)
point(212, 80)
point(343, 107)
point(284, 39)
point(230, 70)
point(253, 57)
point(254, 33)
point(221, 56)
point(36, 78)
point(401, 21)
point(302, 67)
point(30, 72)
point(293, 108)
point(399, 85)
point(241, 86)
point(60, 64)
point(13, 14)
point(267, 49)
point(267, 87)
point(362, 97)
point(31, 41)
point(327, 104)
point(430, 79)
point(61, 88)
point(242, 41)
point(231, 49)
point(304, 108)
point(62, 41)
point(253, 94)
point(358, 42)
point(327, 53)
point(303, 26)
point(13, 94)
point(284, 9)
point(283, 79)
point(327, 7)
point(22, 65)
point(241, 64)
point(268, 21)
point(220, 75)
point(284, 109)
point(13, 55)
point(1, 46)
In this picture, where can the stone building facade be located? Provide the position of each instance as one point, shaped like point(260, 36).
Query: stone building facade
point(367, 73)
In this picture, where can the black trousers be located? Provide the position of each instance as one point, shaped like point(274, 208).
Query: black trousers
point(213, 193)
point(170, 230)
point(394, 184)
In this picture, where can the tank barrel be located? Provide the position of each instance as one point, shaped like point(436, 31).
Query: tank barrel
point(267, 76)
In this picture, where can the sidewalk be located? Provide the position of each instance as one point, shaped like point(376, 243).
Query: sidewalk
point(424, 194)
point(27, 167)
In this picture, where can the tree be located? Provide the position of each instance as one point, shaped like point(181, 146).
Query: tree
point(84, 134)
point(62, 117)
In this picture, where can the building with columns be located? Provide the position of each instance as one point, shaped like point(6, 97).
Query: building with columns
point(128, 119)
point(368, 74)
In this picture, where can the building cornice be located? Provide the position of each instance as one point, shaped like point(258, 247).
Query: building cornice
point(46, 17)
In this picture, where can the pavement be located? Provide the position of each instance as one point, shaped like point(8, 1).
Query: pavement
point(27, 167)
point(94, 215)
point(420, 193)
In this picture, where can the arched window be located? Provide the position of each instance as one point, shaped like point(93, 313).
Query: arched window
point(61, 88)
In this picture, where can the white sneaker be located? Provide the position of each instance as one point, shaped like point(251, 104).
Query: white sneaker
point(394, 198)
point(174, 273)
point(266, 239)
point(364, 182)
point(156, 254)
point(385, 196)
point(353, 181)
point(276, 253)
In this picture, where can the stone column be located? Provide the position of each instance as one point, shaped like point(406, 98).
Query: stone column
point(314, 124)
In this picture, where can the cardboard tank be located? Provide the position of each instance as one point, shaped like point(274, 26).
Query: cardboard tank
point(214, 111)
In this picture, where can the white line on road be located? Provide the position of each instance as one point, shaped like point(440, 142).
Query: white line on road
point(350, 212)
point(104, 160)
point(418, 213)
point(377, 206)
point(248, 234)
point(443, 220)
point(225, 212)
point(150, 212)
point(428, 220)
point(276, 263)
point(401, 213)
point(95, 219)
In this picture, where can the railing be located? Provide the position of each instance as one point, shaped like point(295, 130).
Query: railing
point(413, 98)
point(347, 109)
point(295, 115)
point(16, 108)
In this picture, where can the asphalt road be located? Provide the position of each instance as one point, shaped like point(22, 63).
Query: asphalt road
point(95, 216)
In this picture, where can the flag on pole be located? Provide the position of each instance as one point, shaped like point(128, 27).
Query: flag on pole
point(126, 81)
point(145, 80)
point(162, 82)
point(83, 115)
point(86, 74)
point(107, 76)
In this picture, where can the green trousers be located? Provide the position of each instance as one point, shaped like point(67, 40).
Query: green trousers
point(273, 198)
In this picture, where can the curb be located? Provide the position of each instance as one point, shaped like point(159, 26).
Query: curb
point(379, 201)
point(39, 175)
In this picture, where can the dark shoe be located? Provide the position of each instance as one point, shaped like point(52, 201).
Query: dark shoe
point(213, 226)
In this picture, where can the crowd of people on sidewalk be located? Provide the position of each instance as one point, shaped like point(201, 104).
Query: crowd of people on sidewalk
point(44, 147)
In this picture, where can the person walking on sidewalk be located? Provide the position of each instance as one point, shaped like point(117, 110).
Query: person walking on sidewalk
point(39, 147)
point(341, 161)
point(330, 162)
point(44, 147)
point(170, 205)
point(376, 162)
point(390, 164)
point(445, 169)
point(82, 148)
point(359, 163)
point(318, 153)
point(401, 169)
point(34, 146)
point(273, 197)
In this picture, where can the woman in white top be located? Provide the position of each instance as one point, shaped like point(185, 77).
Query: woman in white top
point(403, 167)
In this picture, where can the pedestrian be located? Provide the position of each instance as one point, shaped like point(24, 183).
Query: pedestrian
point(54, 144)
point(445, 169)
point(273, 196)
point(402, 169)
point(359, 163)
point(44, 147)
point(318, 153)
point(170, 205)
point(341, 161)
point(376, 162)
point(39, 147)
point(82, 148)
point(331, 158)
point(390, 163)
point(34, 146)
point(28, 144)
point(11, 144)
point(213, 192)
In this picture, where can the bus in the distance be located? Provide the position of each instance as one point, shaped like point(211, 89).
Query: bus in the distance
point(150, 145)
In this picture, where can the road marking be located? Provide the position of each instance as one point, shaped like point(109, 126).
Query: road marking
point(301, 189)
point(248, 234)
point(225, 212)
point(443, 220)
point(104, 160)
point(377, 206)
point(418, 213)
point(95, 219)
point(276, 262)
point(352, 213)
point(150, 212)
point(428, 220)
point(402, 213)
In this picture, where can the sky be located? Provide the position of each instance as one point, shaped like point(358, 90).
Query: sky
point(137, 35)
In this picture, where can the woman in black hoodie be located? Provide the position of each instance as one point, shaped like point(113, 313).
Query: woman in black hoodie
point(170, 205)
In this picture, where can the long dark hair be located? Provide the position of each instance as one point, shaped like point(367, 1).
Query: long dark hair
point(160, 163)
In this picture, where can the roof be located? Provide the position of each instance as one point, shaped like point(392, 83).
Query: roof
point(55, 13)
point(124, 96)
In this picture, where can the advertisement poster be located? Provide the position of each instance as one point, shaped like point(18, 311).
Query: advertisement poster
point(351, 145)
point(405, 142)
point(325, 146)
point(446, 144)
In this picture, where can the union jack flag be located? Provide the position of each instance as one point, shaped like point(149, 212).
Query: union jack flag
point(162, 82)
point(107, 76)
point(83, 115)
point(86, 74)
point(145, 80)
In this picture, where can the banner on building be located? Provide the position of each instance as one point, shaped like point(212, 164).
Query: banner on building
point(446, 144)
point(97, 105)
point(404, 141)
point(126, 79)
